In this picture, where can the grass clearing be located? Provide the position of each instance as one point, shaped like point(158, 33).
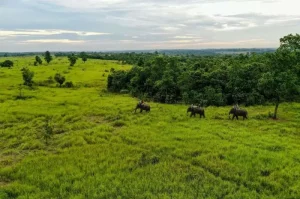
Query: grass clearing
point(101, 149)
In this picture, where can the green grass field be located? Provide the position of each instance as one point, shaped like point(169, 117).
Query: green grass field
point(101, 149)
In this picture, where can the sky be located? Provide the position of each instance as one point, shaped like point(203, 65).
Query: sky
point(103, 25)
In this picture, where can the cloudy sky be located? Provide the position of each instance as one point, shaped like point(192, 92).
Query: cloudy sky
point(99, 25)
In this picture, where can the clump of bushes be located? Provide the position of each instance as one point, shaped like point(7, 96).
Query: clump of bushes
point(7, 64)
point(69, 84)
point(60, 79)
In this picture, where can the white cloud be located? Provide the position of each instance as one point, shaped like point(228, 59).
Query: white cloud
point(63, 41)
point(141, 24)
point(186, 37)
point(9, 33)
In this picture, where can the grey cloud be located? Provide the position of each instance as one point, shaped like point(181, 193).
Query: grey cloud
point(137, 24)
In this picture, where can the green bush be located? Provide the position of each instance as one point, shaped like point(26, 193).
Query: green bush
point(69, 85)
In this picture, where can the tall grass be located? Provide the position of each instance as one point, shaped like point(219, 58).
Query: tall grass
point(100, 149)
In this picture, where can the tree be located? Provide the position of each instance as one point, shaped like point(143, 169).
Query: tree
point(27, 76)
point(48, 57)
point(290, 43)
point(7, 63)
point(72, 59)
point(59, 79)
point(84, 59)
point(281, 82)
point(38, 60)
point(83, 56)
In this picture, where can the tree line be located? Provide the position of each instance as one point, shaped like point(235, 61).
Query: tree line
point(251, 79)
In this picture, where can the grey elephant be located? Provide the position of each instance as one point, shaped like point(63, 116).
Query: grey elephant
point(238, 112)
point(196, 110)
point(142, 107)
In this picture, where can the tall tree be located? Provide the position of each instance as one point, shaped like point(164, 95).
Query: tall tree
point(281, 82)
point(83, 56)
point(38, 60)
point(72, 59)
point(27, 76)
point(48, 57)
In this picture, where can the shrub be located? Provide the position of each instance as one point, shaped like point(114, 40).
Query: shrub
point(59, 79)
point(7, 63)
point(27, 76)
point(69, 85)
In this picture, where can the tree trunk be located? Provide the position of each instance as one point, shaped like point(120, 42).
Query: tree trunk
point(276, 109)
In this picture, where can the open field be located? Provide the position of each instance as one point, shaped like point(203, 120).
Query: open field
point(101, 149)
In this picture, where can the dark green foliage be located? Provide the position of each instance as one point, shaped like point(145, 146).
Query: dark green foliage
point(48, 57)
point(83, 56)
point(27, 76)
point(281, 82)
point(59, 79)
point(72, 59)
point(7, 63)
point(250, 79)
point(290, 43)
point(38, 60)
point(117, 81)
point(69, 85)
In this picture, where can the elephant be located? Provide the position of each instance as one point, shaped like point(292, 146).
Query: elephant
point(142, 106)
point(196, 110)
point(238, 112)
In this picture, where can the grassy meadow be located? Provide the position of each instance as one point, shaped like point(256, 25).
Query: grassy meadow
point(100, 149)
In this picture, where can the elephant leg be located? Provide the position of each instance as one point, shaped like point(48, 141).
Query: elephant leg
point(233, 117)
point(191, 115)
point(141, 111)
point(237, 117)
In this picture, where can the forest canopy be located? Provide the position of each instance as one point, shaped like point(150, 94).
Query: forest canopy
point(249, 78)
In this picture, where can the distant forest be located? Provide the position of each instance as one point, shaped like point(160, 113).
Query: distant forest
point(166, 52)
point(248, 78)
point(206, 77)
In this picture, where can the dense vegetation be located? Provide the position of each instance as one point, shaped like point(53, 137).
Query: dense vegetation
point(251, 79)
point(84, 142)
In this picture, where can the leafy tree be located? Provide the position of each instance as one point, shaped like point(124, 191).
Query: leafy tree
point(27, 76)
point(59, 79)
point(72, 59)
point(83, 56)
point(7, 63)
point(251, 78)
point(84, 59)
point(140, 62)
point(38, 60)
point(48, 58)
point(117, 81)
point(290, 43)
point(281, 82)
